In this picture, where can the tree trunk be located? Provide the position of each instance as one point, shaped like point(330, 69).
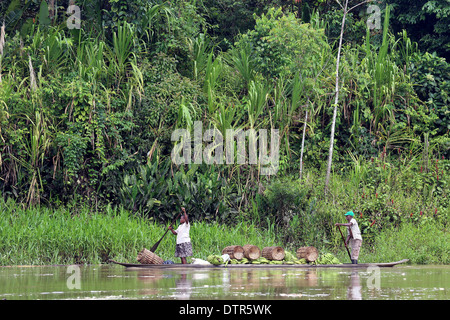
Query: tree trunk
point(273, 253)
point(235, 252)
point(303, 144)
point(336, 99)
point(309, 253)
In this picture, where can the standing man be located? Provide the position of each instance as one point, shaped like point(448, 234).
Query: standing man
point(354, 238)
point(183, 248)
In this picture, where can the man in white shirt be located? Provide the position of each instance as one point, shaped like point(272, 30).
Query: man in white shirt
point(354, 238)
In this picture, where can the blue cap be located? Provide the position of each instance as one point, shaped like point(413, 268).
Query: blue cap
point(350, 213)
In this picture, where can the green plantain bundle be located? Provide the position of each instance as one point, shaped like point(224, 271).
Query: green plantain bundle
point(215, 259)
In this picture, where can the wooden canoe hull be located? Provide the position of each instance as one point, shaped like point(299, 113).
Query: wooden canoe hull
point(257, 266)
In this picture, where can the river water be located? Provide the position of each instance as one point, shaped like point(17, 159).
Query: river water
point(116, 282)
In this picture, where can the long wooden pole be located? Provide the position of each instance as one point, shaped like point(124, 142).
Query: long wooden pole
point(157, 244)
point(348, 251)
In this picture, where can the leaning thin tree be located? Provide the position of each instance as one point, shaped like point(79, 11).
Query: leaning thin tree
point(336, 91)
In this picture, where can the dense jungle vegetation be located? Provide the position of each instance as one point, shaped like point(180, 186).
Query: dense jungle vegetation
point(87, 116)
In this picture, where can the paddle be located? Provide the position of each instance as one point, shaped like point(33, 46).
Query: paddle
point(349, 255)
point(152, 249)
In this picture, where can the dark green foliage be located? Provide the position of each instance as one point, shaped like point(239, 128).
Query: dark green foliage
point(431, 77)
point(283, 200)
point(426, 21)
point(229, 18)
point(155, 190)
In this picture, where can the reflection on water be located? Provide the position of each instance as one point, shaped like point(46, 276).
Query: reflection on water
point(354, 289)
point(116, 282)
point(225, 283)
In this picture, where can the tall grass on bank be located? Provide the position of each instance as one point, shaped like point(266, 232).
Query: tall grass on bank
point(40, 236)
point(426, 243)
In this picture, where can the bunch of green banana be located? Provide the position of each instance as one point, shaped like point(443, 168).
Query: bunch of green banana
point(289, 257)
point(328, 258)
point(260, 260)
point(242, 261)
point(215, 259)
point(300, 261)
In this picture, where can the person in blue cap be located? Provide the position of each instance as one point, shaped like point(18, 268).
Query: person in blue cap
point(354, 239)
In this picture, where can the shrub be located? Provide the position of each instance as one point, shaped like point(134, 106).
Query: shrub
point(281, 44)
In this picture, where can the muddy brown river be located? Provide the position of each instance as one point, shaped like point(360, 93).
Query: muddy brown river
point(116, 282)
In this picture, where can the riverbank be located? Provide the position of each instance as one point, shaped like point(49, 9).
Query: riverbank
point(42, 236)
point(74, 235)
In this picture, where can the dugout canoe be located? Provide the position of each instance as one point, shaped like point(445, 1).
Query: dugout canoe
point(255, 266)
